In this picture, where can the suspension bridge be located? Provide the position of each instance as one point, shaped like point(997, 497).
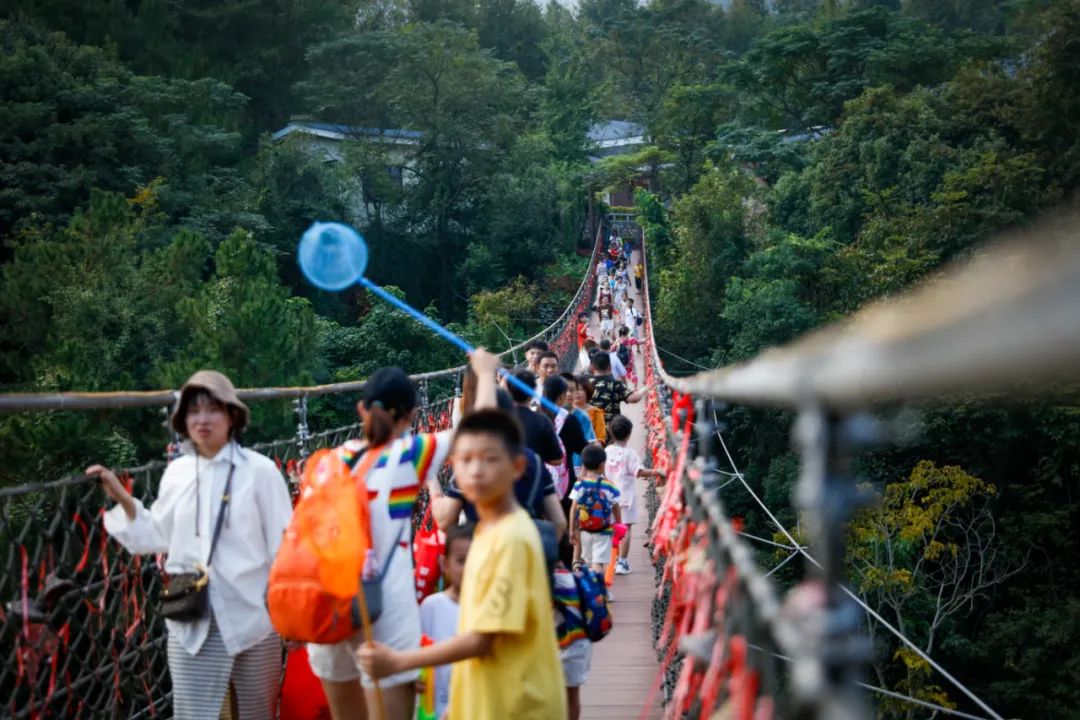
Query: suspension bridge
point(705, 629)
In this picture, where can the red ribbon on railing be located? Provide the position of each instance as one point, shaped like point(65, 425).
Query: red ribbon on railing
point(719, 679)
point(682, 409)
point(84, 558)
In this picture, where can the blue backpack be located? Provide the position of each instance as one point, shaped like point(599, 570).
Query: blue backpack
point(594, 507)
point(592, 592)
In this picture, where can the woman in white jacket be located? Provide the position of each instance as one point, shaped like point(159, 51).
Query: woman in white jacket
point(233, 640)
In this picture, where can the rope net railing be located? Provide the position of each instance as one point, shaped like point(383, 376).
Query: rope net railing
point(717, 621)
point(79, 634)
point(728, 639)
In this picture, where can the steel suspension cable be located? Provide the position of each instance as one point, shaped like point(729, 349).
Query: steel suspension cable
point(883, 691)
point(854, 596)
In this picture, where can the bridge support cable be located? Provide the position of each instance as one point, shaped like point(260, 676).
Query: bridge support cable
point(802, 550)
point(79, 634)
point(890, 693)
point(715, 600)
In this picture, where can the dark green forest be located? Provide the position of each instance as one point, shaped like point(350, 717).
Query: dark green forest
point(801, 158)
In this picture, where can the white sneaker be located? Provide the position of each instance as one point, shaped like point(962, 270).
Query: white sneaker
point(622, 567)
point(610, 596)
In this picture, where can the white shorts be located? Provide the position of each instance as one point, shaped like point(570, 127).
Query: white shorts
point(398, 627)
point(596, 548)
point(628, 508)
point(576, 661)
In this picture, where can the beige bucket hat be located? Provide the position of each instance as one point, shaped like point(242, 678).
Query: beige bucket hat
point(220, 388)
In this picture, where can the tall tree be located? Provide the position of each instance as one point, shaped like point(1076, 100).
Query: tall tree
point(710, 245)
point(72, 119)
point(924, 558)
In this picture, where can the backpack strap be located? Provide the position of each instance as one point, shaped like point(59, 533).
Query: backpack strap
point(393, 549)
point(360, 465)
point(365, 457)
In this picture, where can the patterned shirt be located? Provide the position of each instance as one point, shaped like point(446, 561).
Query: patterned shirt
point(608, 394)
point(393, 484)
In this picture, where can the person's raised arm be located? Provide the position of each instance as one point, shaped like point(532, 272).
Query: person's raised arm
point(486, 366)
point(446, 510)
point(635, 396)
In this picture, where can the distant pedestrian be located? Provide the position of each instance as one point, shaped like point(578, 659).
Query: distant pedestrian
point(609, 393)
point(623, 467)
point(533, 350)
point(607, 322)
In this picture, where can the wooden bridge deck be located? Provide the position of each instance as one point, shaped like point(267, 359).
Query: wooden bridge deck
point(624, 664)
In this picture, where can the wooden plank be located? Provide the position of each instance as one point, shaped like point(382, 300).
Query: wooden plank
point(624, 664)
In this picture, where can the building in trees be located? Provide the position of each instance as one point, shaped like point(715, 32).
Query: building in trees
point(388, 157)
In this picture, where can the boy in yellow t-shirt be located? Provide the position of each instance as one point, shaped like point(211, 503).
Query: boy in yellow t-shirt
point(505, 653)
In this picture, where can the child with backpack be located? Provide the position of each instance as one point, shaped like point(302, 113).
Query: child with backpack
point(388, 466)
point(623, 467)
point(439, 612)
point(505, 653)
point(594, 511)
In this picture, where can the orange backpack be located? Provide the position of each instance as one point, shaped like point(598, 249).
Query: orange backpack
point(316, 574)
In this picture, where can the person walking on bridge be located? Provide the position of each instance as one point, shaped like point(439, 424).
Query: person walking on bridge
point(609, 393)
point(404, 463)
point(220, 515)
point(533, 350)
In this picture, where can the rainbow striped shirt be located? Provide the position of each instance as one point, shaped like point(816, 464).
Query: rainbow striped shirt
point(569, 622)
point(420, 452)
point(425, 452)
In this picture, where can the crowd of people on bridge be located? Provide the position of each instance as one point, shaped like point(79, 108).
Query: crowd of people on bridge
point(543, 488)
